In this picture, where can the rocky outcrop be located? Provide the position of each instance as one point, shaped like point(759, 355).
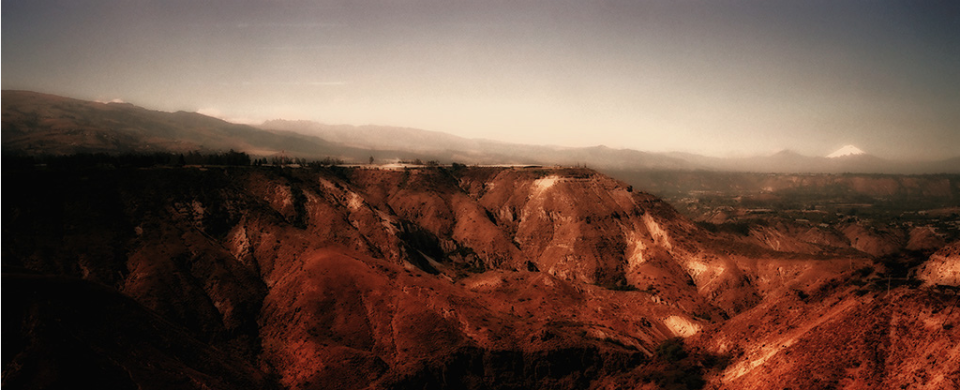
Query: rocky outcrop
point(943, 268)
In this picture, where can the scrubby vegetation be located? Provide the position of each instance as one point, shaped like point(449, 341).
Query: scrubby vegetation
point(738, 228)
point(161, 159)
point(134, 160)
point(675, 367)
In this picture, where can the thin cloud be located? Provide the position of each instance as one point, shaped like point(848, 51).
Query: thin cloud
point(216, 113)
point(332, 83)
point(299, 47)
point(327, 83)
point(209, 111)
point(288, 25)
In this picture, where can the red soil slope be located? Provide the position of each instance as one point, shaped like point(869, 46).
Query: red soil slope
point(423, 278)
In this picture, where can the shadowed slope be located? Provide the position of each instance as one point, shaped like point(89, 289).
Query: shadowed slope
point(441, 278)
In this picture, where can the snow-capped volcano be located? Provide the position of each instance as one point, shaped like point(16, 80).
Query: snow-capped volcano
point(848, 150)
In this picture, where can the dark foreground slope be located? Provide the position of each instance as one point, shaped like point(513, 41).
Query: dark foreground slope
point(433, 278)
point(62, 332)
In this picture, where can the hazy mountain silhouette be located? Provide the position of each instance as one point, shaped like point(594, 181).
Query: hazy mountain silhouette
point(452, 148)
point(35, 123)
point(476, 151)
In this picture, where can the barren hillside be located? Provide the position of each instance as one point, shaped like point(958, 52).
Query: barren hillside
point(425, 278)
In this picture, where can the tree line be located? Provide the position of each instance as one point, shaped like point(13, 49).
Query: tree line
point(159, 159)
point(131, 160)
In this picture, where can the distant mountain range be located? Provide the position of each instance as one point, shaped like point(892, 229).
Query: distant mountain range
point(36, 124)
point(446, 147)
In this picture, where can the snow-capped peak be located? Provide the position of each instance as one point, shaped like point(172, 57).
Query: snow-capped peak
point(848, 150)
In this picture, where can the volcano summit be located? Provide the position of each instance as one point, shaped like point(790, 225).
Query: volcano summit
point(848, 150)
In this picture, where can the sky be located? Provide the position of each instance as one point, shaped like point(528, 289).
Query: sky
point(719, 78)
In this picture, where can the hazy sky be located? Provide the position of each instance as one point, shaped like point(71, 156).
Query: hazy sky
point(711, 77)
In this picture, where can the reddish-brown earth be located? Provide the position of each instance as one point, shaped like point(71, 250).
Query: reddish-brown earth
point(943, 268)
point(435, 278)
